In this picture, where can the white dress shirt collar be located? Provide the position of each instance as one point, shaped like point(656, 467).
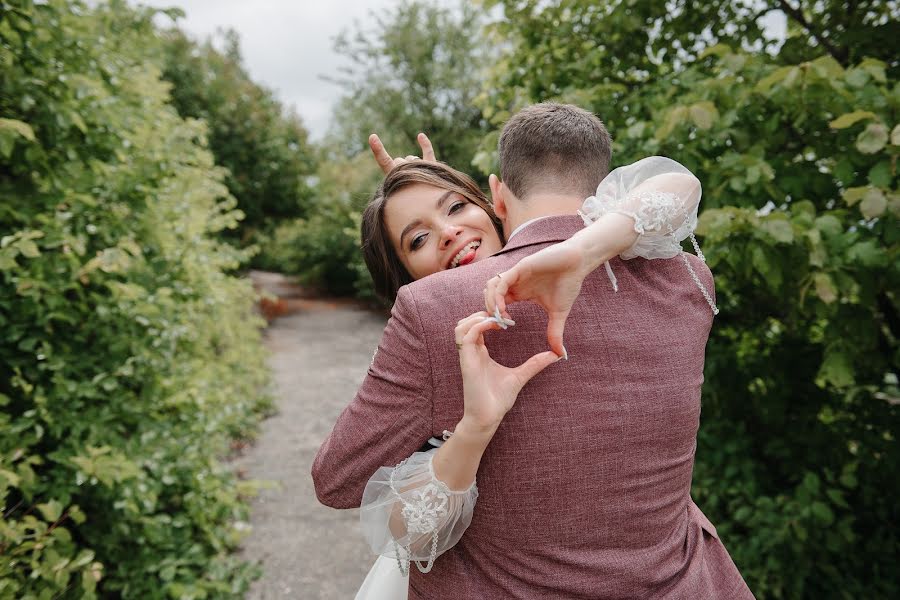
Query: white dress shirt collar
point(523, 226)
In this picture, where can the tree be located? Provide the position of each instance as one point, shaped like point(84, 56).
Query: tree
point(263, 146)
point(796, 144)
point(417, 68)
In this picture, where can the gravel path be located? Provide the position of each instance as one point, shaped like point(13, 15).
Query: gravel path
point(306, 550)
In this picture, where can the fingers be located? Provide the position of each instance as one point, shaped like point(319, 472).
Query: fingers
point(496, 291)
point(383, 159)
point(425, 145)
point(535, 365)
point(555, 328)
point(504, 280)
point(474, 334)
point(464, 325)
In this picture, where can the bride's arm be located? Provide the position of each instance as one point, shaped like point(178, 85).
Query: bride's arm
point(420, 508)
point(644, 209)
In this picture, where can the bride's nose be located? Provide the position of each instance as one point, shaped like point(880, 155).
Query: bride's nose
point(449, 233)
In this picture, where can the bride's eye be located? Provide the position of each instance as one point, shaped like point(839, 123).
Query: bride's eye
point(417, 242)
point(456, 207)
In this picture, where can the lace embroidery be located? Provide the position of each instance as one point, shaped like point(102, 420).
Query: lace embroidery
point(656, 212)
point(423, 514)
point(427, 508)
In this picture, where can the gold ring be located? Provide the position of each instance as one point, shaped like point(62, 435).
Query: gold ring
point(458, 345)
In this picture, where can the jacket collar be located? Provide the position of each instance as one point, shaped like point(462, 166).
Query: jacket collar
point(547, 230)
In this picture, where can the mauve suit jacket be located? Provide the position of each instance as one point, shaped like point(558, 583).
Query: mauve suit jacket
point(584, 491)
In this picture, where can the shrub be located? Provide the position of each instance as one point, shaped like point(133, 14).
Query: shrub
point(128, 355)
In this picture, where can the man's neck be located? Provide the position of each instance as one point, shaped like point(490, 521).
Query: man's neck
point(543, 205)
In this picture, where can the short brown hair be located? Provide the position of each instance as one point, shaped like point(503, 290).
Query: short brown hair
point(554, 147)
point(387, 271)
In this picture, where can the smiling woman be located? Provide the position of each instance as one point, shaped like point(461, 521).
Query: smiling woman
point(426, 217)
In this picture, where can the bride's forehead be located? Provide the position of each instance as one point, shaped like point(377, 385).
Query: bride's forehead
point(417, 194)
point(415, 202)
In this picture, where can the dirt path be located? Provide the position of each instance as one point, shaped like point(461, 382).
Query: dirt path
point(319, 358)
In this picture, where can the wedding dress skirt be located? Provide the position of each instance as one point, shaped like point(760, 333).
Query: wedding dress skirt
point(384, 582)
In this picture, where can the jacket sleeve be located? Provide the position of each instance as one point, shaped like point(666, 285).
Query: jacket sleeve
point(390, 417)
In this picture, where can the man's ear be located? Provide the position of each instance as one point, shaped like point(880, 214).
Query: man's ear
point(497, 196)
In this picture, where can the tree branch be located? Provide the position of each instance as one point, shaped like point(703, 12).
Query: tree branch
point(797, 14)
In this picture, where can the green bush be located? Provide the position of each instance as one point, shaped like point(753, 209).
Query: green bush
point(263, 146)
point(128, 355)
point(324, 248)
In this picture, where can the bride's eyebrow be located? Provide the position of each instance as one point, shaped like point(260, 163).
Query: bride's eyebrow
point(417, 222)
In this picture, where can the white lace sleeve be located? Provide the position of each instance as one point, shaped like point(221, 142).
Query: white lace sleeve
point(662, 196)
point(410, 515)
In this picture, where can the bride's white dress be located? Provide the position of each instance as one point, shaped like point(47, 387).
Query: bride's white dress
point(407, 514)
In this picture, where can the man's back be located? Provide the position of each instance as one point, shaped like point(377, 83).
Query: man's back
point(584, 490)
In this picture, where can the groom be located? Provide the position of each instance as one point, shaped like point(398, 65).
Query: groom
point(584, 491)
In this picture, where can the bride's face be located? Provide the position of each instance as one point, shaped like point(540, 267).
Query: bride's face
point(433, 229)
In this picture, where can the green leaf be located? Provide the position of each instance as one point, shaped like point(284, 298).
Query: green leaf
point(855, 194)
point(704, 114)
point(856, 77)
point(880, 174)
point(822, 512)
point(837, 497)
point(872, 138)
point(28, 249)
point(774, 78)
point(829, 225)
point(836, 369)
point(51, 510)
point(825, 287)
point(868, 254)
point(827, 67)
point(780, 230)
point(22, 129)
point(895, 135)
point(873, 203)
point(675, 118)
point(7, 144)
point(848, 119)
point(848, 476)
point(875, 68)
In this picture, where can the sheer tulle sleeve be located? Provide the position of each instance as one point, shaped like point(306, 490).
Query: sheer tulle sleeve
point(410, 515)
point(660, 194)
point(663, 197)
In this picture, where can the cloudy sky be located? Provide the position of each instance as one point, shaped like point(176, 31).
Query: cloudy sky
point(287, 44)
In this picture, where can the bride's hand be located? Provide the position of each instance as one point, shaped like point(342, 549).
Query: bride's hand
point(490, 389)
point(551, 277)
point(387, 163)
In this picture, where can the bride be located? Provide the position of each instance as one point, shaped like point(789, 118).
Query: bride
point(417, 510)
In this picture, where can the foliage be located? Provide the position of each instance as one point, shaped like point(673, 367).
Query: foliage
point(263, 146)
point(417, 68)
point(128, 356)
point(796, 144)
point(324, 249)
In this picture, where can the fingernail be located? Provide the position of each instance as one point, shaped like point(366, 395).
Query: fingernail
point(565, 353)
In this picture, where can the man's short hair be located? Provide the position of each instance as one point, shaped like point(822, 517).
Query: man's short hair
point(552, 147)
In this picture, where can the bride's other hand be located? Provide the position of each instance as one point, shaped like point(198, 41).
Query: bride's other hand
point(386, 162)
point(552, 277)
point(490, 389)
